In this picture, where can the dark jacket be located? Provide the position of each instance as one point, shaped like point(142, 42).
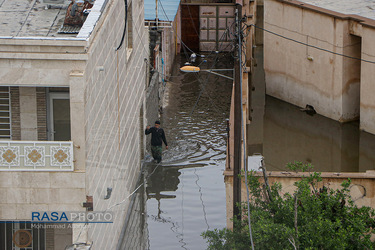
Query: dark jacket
point(157, 137)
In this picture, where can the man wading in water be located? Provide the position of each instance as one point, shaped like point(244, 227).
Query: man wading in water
point(157, 139)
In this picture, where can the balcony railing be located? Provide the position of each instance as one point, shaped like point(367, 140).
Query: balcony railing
point(36, 156)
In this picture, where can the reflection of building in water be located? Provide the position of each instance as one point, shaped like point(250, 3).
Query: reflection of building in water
point(289, 135)
point(163, 179)
point(282, 133)
point(153, 181)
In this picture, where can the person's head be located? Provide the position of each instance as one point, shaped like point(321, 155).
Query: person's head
point(157, 124)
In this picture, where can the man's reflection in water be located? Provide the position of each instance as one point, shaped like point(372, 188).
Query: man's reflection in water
point(163, 179)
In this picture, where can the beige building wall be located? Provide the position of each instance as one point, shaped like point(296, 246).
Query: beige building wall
point(106, 97)
point(304, 75)
point(29, 63)
point(28, 114)
point(362, 188)
point(337, 87)
point(367, 113)
point(113, 98)
point(26, 192)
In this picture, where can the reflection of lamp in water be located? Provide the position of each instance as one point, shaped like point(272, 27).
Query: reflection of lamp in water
point(194, 69)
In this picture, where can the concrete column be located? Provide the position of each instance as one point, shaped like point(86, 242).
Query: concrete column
point(77, 118)
point(28, 114)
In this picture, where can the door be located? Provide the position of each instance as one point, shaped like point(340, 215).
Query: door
point(190, 27)
point(59, 117)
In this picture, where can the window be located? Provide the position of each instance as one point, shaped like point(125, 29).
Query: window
point(21, 235)
point(59, 116)
point(5, 122)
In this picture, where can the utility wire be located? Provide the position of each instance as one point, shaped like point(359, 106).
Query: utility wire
point(184, 45)
point(126, 20)
point(206, 81)
point(135, 190)
point(309, 45)
point(182, 42)
point(240, 51)
point(124, 200)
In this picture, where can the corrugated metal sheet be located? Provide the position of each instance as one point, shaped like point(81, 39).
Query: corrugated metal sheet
point(170, 8)
point(66, 29)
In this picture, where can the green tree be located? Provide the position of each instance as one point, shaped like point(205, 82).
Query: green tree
point(307, 219)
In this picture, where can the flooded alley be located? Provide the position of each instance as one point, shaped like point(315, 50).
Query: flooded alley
point(185, 195)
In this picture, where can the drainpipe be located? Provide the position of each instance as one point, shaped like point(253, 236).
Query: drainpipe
point(237, 120)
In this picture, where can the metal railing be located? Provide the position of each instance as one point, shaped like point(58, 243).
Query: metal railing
point(158, 24)
point(36, 156)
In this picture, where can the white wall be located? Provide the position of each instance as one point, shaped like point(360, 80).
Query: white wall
point(114, 93)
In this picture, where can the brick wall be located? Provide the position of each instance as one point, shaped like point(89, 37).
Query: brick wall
point(41, 113)
point(114, 94)
point(152, 105)
point(15, 111)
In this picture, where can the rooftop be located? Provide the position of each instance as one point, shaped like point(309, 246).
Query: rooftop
point(30, 18)
point(364, 8)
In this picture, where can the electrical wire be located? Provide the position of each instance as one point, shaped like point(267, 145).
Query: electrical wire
point(206, 81)
point(312, 46)
point(135, 190)
point(184, 46)
point(127, 197)
point(126, 20)
point(240, 43)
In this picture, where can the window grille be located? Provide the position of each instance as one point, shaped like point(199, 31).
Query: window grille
point(5, 113)
point(22, 235)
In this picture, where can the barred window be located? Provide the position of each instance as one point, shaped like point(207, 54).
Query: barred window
point(5, 121)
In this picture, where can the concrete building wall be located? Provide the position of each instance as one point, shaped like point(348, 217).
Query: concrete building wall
point(299, 74)
point(34, 69)
point(304, 75)
point(169, 49)
point(106, 97)
point(338, 87)
point(114, 92)
point(28, 114)
point(362, 189)
point(26, 192)
point(367, 113)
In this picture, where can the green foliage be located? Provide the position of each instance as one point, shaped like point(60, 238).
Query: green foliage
point(307, 219)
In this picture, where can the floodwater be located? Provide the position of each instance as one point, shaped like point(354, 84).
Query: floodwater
point(282, 133)
point(185, 194)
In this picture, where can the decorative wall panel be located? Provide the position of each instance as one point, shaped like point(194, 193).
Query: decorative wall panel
point(36, 156)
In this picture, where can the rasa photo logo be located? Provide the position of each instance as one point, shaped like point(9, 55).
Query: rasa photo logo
point(72, 217)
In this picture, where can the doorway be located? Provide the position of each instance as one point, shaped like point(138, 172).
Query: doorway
point(190, 27)
point(59, 116)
